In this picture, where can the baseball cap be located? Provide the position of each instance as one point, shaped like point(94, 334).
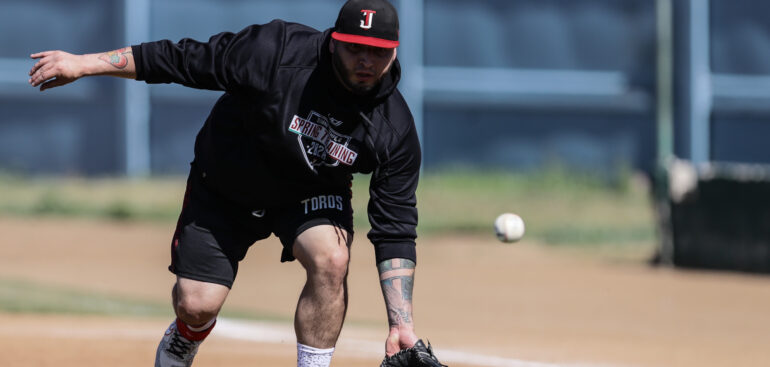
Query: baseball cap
point(367, 22)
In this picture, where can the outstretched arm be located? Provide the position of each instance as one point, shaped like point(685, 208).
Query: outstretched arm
point(57, 68)
point(397, 280)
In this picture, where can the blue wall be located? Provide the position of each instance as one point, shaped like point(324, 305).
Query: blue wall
point(511, 84)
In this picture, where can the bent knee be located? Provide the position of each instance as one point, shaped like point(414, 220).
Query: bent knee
point(324, 255)
point(334, 262)
point(330, 266)
point(196, 303)
point(196, 310)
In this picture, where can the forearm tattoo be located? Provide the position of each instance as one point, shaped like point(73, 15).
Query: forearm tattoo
point(117, 58)
point(397, 282)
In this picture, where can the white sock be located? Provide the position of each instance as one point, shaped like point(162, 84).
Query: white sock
point(313, 357)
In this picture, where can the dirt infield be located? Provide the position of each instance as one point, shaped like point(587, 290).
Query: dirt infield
point(473, 296)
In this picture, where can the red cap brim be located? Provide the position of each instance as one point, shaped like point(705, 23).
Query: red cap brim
point(363, 40)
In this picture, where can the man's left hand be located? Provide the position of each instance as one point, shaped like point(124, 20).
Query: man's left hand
point(399, 339)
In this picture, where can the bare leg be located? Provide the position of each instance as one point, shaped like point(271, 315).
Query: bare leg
point(196, 305)
point(195, 302)
point(324, 253)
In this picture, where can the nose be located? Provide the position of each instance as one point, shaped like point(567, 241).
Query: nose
point(365, 62)
point(366, 58)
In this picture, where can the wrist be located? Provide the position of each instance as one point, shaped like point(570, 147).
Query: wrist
point(402, 329)
point(88, 65)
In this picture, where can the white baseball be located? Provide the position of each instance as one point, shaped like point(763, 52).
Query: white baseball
point(509, 227)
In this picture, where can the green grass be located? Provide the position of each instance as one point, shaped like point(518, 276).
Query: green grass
point(26, 297)
point(120, 199)
point(559, 207)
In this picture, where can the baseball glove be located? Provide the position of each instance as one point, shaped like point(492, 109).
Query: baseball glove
point(417, 356)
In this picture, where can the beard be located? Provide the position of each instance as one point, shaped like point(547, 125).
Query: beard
point(344, 76)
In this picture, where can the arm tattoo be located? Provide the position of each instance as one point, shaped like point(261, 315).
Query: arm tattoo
point(407, 283)
point(397, 282)
point(400, 264)
point(117, 58)
point(397, 309)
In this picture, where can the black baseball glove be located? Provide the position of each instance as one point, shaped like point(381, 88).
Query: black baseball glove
point(417, 356)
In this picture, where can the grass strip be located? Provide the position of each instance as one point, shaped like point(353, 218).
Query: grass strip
point(18, 296)
point(559, 206)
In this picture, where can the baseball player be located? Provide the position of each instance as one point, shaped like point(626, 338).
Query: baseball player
point(302, 110)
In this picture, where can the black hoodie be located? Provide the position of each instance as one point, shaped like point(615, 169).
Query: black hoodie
point(286, 128)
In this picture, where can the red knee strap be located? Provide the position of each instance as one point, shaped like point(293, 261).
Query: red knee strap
point(193, 335)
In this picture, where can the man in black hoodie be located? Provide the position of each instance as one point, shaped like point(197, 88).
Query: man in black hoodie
point(302, 110)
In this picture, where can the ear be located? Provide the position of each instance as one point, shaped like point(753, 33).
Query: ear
point(332, 46)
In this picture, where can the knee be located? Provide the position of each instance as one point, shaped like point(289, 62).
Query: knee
point(195, 310)
point(324, 253)
point(329, 266)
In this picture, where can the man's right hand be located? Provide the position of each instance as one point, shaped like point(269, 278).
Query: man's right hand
point(57, 68)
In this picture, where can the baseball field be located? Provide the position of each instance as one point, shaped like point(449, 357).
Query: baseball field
point(78, 289)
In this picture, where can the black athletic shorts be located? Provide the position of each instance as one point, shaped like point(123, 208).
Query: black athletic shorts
point(212, 235)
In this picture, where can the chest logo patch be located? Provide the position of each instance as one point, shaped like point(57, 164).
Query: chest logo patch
point(321, 144)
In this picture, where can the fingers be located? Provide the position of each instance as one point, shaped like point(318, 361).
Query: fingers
point(392, 344)
point(40, 67)
point(43, 64)
point(36, 66)
point(41, 54)
point(42, 74)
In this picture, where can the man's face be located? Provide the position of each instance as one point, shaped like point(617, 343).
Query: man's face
point(359, 67)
